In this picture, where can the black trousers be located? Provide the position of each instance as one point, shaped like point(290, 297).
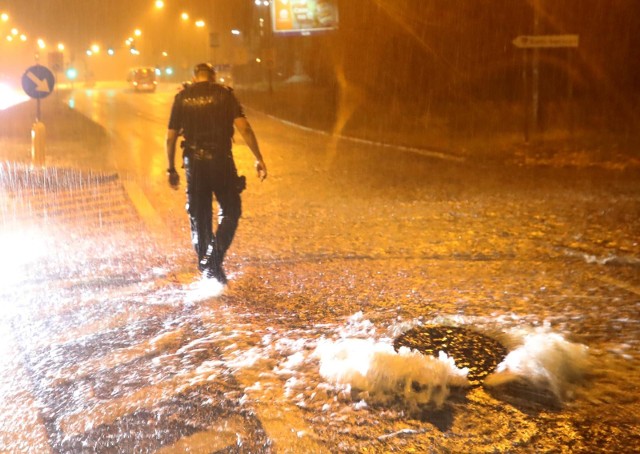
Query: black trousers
point(212, 174)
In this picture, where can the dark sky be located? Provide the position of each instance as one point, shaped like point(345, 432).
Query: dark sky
point(110, 22)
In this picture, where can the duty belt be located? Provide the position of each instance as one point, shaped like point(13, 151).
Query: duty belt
point(202, 153)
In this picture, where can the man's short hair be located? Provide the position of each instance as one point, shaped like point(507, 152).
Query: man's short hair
point(204, 68)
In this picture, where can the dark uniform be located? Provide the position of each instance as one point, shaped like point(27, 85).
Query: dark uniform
point(204, 113)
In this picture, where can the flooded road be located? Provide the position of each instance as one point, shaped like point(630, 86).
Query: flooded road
point(112, 343)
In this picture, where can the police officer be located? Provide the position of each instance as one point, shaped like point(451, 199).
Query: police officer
point(205, 114)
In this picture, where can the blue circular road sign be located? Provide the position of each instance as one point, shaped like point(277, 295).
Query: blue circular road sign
point(38, 81)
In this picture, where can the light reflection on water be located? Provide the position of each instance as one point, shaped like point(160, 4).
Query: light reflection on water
point(110, 328)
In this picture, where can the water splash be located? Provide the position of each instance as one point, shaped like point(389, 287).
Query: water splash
point(375, 372)
point(546, 362)
point(203, 289)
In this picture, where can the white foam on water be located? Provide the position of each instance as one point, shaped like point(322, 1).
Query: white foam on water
point(375, 372)
point(545, 361)
point(203, 289)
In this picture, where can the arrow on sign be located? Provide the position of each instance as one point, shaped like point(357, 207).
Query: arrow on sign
point(546, 41)
point(42, 85)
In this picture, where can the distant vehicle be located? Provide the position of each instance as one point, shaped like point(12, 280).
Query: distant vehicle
point(143, 79)
point(224, 75)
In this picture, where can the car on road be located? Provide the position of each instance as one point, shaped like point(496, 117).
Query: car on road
point(143, 78)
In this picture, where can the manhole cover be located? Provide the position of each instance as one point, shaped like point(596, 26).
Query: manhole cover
point(480, 353)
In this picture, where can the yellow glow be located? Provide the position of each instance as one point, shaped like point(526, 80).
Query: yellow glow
point(41, 44)
point(9, 96)
point(23, 37)
point(14, 31)
point(159, 4)
point(200, 23)
point(4, 17)
point(9, 38)
point(164, 54)
point(184, 16)
point(21, 249)
point(137, 32)
point(95, 48)
point(60, 47)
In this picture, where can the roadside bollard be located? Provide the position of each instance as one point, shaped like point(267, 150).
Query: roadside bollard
point(38, 136)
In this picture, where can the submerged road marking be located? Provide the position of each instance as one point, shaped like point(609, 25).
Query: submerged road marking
point(283, 422)
point(420, 151)
point(223, 437)
point(143, 206)
point(617, 283)
point(22, 428)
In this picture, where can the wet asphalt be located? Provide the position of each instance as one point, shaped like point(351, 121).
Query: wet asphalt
point(107, 350)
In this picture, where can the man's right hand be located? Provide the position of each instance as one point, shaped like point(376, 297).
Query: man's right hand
point(261, 169)
point(174, 178)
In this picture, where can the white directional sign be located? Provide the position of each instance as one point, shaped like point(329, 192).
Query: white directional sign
point(546, 41)
point(38, 82)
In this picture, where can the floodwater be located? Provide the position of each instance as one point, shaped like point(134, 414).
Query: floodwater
point(111, 343)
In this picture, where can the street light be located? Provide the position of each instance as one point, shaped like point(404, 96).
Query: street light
point(266, 41)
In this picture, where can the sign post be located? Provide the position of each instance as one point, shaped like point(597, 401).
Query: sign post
point(38, 83)
point(537, 42)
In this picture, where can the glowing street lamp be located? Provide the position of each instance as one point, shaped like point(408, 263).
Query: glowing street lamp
point(71, 73)
point(41, 44)
point(137, 32)
point(60, 47)
point(4, 17)
point(200, 23)
point(159, 4)
point(184, 16)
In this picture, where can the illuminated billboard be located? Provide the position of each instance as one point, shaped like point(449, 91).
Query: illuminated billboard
point(304, 16)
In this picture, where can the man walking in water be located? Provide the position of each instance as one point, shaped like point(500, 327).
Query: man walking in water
point(205, 114)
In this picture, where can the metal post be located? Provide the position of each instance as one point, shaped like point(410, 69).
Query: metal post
point(570, 91)
point(525, 93)
point(535, 70)
point(38, 136)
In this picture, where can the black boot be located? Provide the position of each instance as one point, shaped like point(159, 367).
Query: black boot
point(212, 265)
